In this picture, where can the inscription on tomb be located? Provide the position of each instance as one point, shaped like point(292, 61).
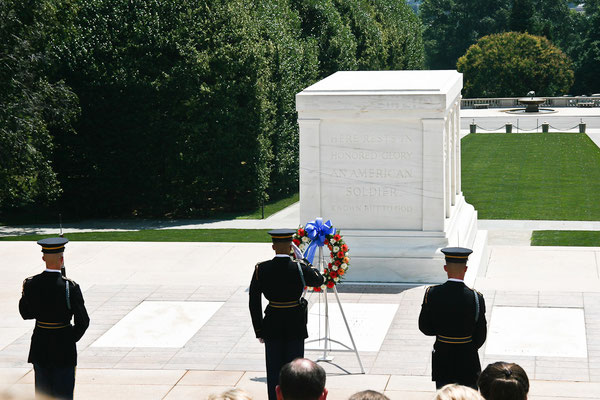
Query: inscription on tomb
point(372, 174)
point(372, 139)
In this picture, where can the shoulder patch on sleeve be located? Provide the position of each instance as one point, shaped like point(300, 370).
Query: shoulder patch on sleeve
point(69, 280)
point(27, 280)
point(256, 271)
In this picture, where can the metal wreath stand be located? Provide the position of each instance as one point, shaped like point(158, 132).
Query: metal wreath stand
point(326, 357)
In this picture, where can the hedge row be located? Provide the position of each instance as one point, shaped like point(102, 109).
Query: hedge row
point(187, 107)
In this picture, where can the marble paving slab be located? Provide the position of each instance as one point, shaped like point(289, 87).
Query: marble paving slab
point(368, 323)
point(159, 324)
point(541, 332)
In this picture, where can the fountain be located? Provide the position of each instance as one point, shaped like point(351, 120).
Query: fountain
point(532, 105)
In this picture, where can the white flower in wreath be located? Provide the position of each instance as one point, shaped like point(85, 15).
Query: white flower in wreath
point(344, 266)
point(336, 249)
point(334, 267)
point(305, 239)
point(302, 246)
point(336, 279)
point(323, 287)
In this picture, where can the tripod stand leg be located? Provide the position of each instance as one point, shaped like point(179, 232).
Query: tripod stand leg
point(326, 349)
point(362, 370)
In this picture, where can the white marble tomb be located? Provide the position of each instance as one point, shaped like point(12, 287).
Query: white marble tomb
point(159, 324)
point(539, 332)
point(369, 324)
point(380, 157)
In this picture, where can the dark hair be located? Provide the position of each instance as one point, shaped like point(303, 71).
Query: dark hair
point(368, 395)
point(301, 379)
point(503, 381)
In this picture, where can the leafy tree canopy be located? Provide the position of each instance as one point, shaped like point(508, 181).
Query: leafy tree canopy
point(586, 49)
point(511, 64)
point(451, 26)
point(32, 107)
point(187, 107)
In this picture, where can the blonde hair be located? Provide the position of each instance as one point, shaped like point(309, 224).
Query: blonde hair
point(457, 392)
point(368, 395)
point(231, 394)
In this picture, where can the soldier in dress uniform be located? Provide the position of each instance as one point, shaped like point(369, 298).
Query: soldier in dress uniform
point(283, 327)
point(455, 315)
point(52, 300)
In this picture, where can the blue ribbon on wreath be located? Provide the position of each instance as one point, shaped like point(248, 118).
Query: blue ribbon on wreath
point(317, 232)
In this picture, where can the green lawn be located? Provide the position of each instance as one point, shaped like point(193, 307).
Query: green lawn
point(565, 238)
point(271, 208)
point(37, 217)
point(164, 235)
point(553, 176)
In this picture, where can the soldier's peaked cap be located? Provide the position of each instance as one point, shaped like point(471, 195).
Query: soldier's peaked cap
point(282, 235)
point(456, 254)
point(53, 245)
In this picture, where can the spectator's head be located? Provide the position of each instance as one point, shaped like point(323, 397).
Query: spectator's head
point(501, 380)
point(231, 394)
point(457, 392)
point(301, 379)
point(368, 395)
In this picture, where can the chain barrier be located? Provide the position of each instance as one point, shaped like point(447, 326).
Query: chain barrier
point(490, 130)
point(529, 130)
point(576, 127)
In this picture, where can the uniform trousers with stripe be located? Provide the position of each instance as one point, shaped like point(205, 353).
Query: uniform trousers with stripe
point(54, 382)
point(279, 352)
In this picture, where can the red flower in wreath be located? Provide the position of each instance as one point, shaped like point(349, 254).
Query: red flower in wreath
point(336, 258)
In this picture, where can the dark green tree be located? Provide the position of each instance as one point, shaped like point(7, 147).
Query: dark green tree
point(176, 115)
point(33, 107)
point(451, 26)
point(522, 16)
point(322, 23)
point(187, 108)
point(586, 50)
point(294, 64)
point(401, 32)
point(548, 18)
point(511, 64)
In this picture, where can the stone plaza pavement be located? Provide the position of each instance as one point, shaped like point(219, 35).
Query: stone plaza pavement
point(543, 311)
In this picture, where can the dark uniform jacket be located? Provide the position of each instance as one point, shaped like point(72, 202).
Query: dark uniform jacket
point(279, 280)
point(448, 312)
point(53, 341)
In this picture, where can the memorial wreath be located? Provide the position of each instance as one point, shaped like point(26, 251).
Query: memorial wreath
point(318, 234)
